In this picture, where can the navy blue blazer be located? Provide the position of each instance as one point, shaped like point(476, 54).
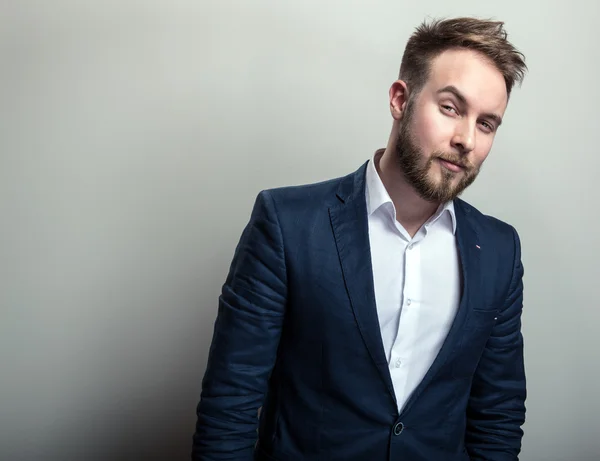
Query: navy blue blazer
point(297, 334)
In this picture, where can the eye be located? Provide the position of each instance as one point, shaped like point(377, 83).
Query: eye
point(488, 126)
point(449, 109)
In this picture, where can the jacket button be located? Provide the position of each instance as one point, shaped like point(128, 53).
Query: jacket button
point(398, 428)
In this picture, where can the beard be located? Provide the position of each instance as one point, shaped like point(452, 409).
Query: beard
point(418, 174)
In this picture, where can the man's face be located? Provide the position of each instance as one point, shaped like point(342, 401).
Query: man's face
point(447, 129)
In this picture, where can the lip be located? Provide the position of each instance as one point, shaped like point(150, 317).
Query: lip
point(451, 166)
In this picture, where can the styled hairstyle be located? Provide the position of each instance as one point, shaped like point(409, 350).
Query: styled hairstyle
point(484, 36)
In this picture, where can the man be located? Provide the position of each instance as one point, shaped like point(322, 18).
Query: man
point(377, 316)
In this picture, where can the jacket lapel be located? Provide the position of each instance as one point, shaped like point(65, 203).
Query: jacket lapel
point(349, 222)
point(470, 255)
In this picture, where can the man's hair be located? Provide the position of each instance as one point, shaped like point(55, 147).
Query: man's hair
point(484, 36)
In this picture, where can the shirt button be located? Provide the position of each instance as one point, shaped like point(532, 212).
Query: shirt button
point(408, 302)
point(398, 363)
point(398, 428)
point(410, 247)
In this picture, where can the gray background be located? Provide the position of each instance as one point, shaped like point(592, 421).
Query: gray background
point(134, 137)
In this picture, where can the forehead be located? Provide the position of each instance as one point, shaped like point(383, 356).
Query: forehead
point(474, 75)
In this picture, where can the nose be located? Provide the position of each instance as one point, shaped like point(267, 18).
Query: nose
point(464, 137)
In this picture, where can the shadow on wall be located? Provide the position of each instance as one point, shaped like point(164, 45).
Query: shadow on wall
point(160, 424)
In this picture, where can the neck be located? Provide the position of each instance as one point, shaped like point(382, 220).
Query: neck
point(412, 211)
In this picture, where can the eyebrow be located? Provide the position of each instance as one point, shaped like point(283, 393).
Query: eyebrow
point(458, 95)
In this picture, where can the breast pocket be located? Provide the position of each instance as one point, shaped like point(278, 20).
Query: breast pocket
point(476, 331)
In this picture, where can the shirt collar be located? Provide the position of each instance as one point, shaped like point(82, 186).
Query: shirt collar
point(377, 196)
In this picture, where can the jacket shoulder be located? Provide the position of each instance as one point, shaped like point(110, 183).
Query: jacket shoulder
point(489, 225)
point(302, 195)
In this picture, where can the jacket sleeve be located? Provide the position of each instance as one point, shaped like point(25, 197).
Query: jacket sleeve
point(496, 409)
point(245, 341)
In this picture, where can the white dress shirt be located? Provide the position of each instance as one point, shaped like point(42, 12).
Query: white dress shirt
point(417, 284)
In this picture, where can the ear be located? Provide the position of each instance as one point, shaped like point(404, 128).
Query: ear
point(398, 99)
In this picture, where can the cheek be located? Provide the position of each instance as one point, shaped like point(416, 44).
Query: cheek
point(482, 148)
point(479, 157)
point(430, 133)
point(434, 131)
